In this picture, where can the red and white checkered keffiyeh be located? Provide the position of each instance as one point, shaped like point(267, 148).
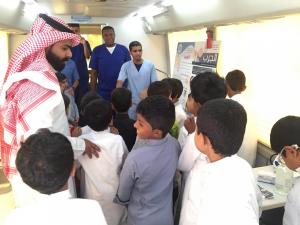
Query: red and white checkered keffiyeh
point(29, 56)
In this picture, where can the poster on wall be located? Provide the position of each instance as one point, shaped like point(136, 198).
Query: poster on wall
point(193, 58)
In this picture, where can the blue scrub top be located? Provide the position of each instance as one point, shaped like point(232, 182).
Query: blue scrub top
point(108, 67)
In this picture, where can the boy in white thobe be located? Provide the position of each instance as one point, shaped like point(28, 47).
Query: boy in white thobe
point(204, 87)
point(223, 191)
point(45, 161)
point(101, 175)
point(284, 134)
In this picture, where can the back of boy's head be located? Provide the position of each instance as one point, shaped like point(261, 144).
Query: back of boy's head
point(159, 88)
point(45, 161)
point(285, 132)
point(179, 87)
point(121, 99)
point(223, 121)
point(207, 86)
point(175, 85)
point(88, 97)
point(158, 111)
point(236, 80)
point(98, 114)
point(60, 76)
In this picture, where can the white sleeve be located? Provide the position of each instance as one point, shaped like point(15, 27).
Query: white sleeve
point(78, 146)
point(188, 155)
point(183, 134)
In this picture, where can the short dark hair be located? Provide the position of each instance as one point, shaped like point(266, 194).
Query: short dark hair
point(159, 88)
point(121, 99)
point(175, 85)
point(158, 111)
point(206, 86)
point(223, 121)
point(98, 114)
point(45, 161)
point(236, 80)
point(107, 28)
point(86, 99)
point(133, 44)
point(286, 131)
point(60, 76)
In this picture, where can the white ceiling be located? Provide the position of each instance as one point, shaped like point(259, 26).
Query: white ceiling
point(95, 8)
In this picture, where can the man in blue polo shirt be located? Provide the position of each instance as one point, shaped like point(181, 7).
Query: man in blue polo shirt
point(106, 62)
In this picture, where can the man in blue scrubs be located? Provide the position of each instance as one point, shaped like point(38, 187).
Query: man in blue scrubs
point(106, 62)
point(139, 73)
point(80, 54)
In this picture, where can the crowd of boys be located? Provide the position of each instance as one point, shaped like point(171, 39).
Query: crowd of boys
point(135, 154)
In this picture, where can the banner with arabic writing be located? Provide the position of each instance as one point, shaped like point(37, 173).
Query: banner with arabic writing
point(191, 59)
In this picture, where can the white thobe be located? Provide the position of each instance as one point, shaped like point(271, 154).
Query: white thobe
point(101, 175)
point(222, 192)
point(58, 209)
point(292, 206)
point(48, 114)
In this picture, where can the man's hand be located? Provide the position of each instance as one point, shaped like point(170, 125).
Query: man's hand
point(190, 124)
point(91, 149)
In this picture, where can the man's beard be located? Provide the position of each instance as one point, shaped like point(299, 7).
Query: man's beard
point(57, 63)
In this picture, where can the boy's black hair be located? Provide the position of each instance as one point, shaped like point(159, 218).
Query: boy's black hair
point(60, 76)
point(45, 161)
point(158, 111)
point(159, 88)
point(285, 132)
point(236, 80)
point(179, 87)
point(223, 121)
point(88, 97)
point(107, 28)
point(175, 85)
point(66, 101)
point(133, 44)
point(121, 99)
point(98, 114)
point(206, 86)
